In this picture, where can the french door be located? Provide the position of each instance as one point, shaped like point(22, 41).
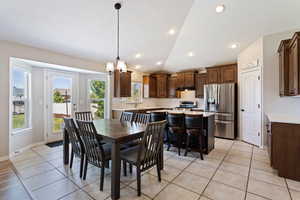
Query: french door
point(62, 97)
point(250, 108)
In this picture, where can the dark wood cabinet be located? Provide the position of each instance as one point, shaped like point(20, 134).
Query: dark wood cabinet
point(122, 84)
point(172, 87)
point(294, 65)
point(228, 74)
point(161, 85)
point(185, 80)
point(180, 80)
point(283, 52)
point(284, 149)
point(213, 75)
point(152, 87)
point(200, 82)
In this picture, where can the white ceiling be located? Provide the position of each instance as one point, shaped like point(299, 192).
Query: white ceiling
point(87, 28)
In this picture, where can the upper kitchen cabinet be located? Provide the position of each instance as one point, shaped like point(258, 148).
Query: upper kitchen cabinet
point(161, 85)
point(186, 79)
point(180, 80)
point(200, 82)
point(172, 86)
point(122, 84)
point(213, 75)
point(149, 86)
point(294, 65)
point(283, 52)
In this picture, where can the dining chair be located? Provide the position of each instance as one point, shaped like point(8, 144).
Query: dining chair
point(147, 153)
point(194, 129)
point(177, 132)
point(84, 116)
point(141, 118)
point(126, 117)
point(160, 116)
point(76, 142)
point(97, 154)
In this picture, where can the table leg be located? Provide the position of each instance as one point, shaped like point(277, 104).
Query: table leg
point(66, 147)
point(115, 171)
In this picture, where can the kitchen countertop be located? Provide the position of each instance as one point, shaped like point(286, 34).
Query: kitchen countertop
point(205, 114)
point(142, 108)
point(283, 118)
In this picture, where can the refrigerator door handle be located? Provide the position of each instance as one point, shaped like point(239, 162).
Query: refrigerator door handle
point(223, 122)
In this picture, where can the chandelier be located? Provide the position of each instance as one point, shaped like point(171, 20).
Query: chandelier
point(120, 65)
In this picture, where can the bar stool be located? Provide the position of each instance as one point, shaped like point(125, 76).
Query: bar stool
point(177, 131)
point(194, 129)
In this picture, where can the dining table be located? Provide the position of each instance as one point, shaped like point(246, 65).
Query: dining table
point(116, 133)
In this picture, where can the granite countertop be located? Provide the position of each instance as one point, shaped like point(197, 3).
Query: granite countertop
point(142, 108)
point(205, 114)
point(283, 118)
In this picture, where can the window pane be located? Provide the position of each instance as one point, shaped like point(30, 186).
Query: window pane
point(97, 89)
point(97, 109)
point(136, 92)
point(18, 121)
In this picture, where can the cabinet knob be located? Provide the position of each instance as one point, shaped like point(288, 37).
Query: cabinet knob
point(242, 110)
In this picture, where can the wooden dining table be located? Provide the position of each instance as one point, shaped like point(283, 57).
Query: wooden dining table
point(115, 133)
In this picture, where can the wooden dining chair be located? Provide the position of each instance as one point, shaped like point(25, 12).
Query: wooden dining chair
point(84, 116)
point(126, 117)
point(76, 142)
point(97, 154)
point(141, 118)
point(194, 129)
point(177, 133)
point(148, 153)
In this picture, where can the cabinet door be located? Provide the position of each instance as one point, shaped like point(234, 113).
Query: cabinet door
point(293, 73)
point(180, 80)
point(125, 84)
point(172, 87)
point(161, 86)
point(213, 75)
point(281, 73)
point(229, 74)
point(152, 87)
point(200, 82)
point(189, 79)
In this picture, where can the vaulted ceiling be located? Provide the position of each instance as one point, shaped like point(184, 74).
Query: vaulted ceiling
point(87, 29)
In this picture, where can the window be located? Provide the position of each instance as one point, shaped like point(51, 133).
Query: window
point(97, 98)
point(21, 118)
point(136, 92)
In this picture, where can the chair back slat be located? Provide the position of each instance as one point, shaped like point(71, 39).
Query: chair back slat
point(76, 142)
point(141, 118)
point(151, 145)
point(94, 150)
point(84, 116)
point(176, 120)
point(126, 117)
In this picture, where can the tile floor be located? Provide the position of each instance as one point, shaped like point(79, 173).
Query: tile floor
point(232, 171)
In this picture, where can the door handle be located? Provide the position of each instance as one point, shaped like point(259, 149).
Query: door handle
point(242, 110)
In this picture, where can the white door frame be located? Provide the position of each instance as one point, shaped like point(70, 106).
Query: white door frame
point(49, 74)
point(259, 72)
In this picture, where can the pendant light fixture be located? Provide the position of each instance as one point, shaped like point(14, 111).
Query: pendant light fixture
point(120, 65)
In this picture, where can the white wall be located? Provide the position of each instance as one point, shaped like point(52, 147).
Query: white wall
point(9, 49)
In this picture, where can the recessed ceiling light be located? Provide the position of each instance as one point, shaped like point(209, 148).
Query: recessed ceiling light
point(172, 32)
point(159, 63)
point(138, 66)
point(138, 55)
point(234, 46)
point(191, 54)
point(220, 8)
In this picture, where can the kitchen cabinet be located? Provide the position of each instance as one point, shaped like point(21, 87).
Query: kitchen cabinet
point(200, 82)
point(283, 53)
point(149, 85)
point(161, 85)
point(180, 80)
point(222, 74)
point(213, 75)
point(294, 65)
point(122, 84)
point(172, 86)
point(186, 80)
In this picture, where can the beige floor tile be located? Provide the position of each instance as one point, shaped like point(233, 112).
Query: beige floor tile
point(267, 177)
point(28, 162)
point(268, 190)
point(242, 148)
point(192, 182)
point(10, 180)
point(35, 170)
point(262, 166)
point(238, 160)
point(55, 190)
point(130, 194)
point(234, 168)
point(177, 162)
point(209, 161)
point(78, 195)
point(150, 185)
point(204, 198)
point(216, 154)
point(231, 179)
point(168, 173)
point(238, 153)
point(295, 194)
point(94, 189)
point(263, 158)
point(254, 197)
point(201, 170)
point(219, 191)
point(41, 180)
point(14, 193)
point(174, 192)
point(295, 185)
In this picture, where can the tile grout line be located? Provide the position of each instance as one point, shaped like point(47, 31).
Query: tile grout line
point(288, 188)
point(247, 184)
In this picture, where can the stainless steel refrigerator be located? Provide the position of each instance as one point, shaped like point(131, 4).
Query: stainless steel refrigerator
point(222, 100)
